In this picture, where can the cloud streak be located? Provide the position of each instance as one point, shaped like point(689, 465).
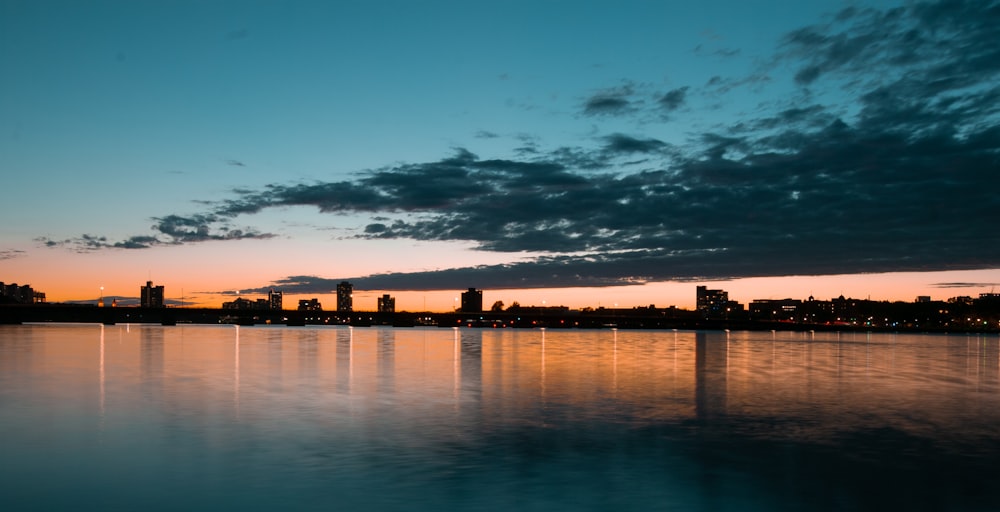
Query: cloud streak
point(169, 230)
point(9, 254)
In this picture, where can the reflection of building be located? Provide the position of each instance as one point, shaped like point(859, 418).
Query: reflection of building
point(310, 305)
point(345, 300)
point(151, 296)
point(274, 300)
point(472, 301)
point(386, 304)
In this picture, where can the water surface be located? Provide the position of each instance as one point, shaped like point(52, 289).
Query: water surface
point(132, 417)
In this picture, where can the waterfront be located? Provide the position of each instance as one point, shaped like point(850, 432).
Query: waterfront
point(258, 418)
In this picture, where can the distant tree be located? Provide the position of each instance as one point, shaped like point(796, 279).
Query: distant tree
point(497, 306)
point(514, 307)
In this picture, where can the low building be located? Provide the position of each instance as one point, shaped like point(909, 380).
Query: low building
point(240, 303)
point(310, 305)
point(781, 310)
point(25, 294)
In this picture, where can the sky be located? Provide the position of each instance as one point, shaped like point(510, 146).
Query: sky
point(547, 152)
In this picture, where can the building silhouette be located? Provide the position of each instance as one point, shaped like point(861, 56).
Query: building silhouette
point(12, 293)
point(151, 296)
point(310, 305)
point(777, 310)
point(345, 296)
point(239, 303)
point(274, 300)
point(472, 301)
point(710, 303)
point(715, 304)
point(386, 304)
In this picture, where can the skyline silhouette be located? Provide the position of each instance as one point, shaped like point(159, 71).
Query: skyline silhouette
point(714, 309)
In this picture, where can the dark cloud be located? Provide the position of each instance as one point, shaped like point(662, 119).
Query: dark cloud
point(894, 168)
point(927, 47)
point(172, 229)
point(611, 102)
point(196, 228)
point(483, 134)
point(606, 105)
point(965, 285)
point(618, 143)
point(235, 163)
point(673, 99)
point(295, 285)
point(137, 242)
point(82, 243)
point(8, 254)
point(843, 201)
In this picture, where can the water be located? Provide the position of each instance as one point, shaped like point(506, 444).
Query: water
point(136, 417)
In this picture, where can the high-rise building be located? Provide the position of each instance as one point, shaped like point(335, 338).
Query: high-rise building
point(345, 294)
point(711, 303)
point(151, 296)
point(472, 301)
point(386, 304)
point(274, 300)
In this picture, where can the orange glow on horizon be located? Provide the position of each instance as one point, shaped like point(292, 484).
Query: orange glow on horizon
point(192, 278)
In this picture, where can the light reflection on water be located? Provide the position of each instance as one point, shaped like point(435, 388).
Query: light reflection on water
point(167, 418)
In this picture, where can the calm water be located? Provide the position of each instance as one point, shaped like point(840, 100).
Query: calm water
point(271, 418)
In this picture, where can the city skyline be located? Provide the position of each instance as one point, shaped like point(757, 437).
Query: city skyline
point(715, 303)
point(578, 155)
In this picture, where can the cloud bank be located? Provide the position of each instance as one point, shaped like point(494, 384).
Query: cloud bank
point(887, 159)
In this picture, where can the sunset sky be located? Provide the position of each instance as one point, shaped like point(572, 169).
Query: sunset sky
point(557, 152)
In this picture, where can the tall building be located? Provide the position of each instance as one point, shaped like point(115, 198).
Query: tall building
point(274, 300)
point(151, 296)
point(386, 304)
point(712, 303)
point(345, 293)
point(472, 301)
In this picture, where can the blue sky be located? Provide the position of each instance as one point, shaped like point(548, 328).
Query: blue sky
point(497, 144)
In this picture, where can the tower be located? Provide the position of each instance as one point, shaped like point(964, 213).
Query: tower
point(711, 303)
point(274, 300)
point(345, 299)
